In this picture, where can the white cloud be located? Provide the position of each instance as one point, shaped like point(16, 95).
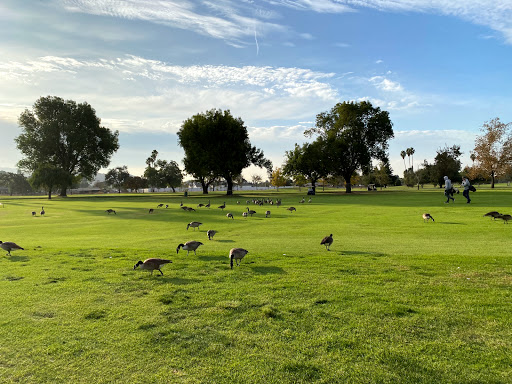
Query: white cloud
point(385, 84)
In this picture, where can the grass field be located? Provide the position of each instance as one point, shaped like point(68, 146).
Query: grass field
point(396, 300)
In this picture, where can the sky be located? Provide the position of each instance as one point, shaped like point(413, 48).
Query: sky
point(441, 68)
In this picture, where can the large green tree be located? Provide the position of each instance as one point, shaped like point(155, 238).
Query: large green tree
point(447, 163)
point(216, 144)
point(15, 183)
point(162, 173)
point(307, 160)
point(117, 177)
point(354, 133)
point(62, 134)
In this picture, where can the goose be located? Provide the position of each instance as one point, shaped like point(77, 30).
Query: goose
point(42, 211)
point(327, 241)
point(309, 201)
point(291, 209)
point(428, 216)
point(200, 205)
point(222, 206)
point(152, 264)
point(190, 209)
point(505, 218)
point(238, 202)
point(230, 216)
point(211, 233)
point(159, 205)
point(33, 213)
point(166, 206)
point(109, 211)
point(244, 214)
point(278, 202)
point(493, 214)
point(194, 224)
point(302, 201)
point(9, 246)
point(181, 203)
point(208, 205)
point(250, 211)
point(189, 246)
point(267, 214)
point(237, 254)
point(184, 207)
point(151, 210)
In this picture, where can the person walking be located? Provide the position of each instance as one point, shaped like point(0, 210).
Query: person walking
point(448, 190)
point(466, 185)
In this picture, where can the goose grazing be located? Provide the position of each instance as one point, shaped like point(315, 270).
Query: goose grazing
point(9, 246)
point(200, 205)
point(194, 224)
point(190, 209)
point(250, 212)
point(505, 218)
point(302, 201)
point(245, 214)
point(493, 214)
point(230, 215)
point(33, 213)
point(109, 211)
point(278, 202)
point(237, 254)
point(181, 203)
point(159, 205)
point(42, 211)
point(151, 210)
point(189, 246)
point(152, 264)
point(291, 209)
point(208, 205)
point(166, 205)
point(222, 206)
point(267, 214)
point(327, 241)
point(428, 216)
point(211, 233)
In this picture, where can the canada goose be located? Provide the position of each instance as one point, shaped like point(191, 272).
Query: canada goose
point(109, 211)
point(9, 246)
point(267, 213)
point(181, 203)
point(208, 205)
point(211, 233)
point(42, 211)
point(309, 201)
point(291, 209)
point(159, 205)
point(278, 202)
point(166, 205)
point(200, 205)
point(250, 211)
point(222, 206)
point(238, 202)
point(245, 214)
point(194, 224)
point(302, 201)
point(151, 210)
point(327, 241)
point(184, 207)
point(427, 216)
point(190, 209)
point(237, 254)
point(152, 264)
point(493, 214)
point(230, 215)
point(505, 218)
point(33, 213)
point(189, 246)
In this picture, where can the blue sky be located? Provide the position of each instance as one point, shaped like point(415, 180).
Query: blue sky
point(441, 68)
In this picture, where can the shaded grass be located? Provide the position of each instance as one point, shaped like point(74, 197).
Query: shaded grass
point(395, 301)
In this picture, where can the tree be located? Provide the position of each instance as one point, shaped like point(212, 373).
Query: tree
point(410, 152)
point(48, 177)
point(278, 179)
point(62, 134)
point(403, 153)
point(15, 183)
point(117, 177)
point(135, 183)
point(299, 180)
point(217, 145)
point(255, 180)
point(307, 161)
point(447, 163)
point(354, 133)
point(493, 150)
point(169, 174)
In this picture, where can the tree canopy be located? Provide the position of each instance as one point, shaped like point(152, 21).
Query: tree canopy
point(447, 163)
point(117, 177)
point(354, 134)
point(216, 144)
point(61, 134)
point(308, 161)
point(162, 173)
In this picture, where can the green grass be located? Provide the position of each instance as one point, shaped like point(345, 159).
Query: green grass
point(396, 300)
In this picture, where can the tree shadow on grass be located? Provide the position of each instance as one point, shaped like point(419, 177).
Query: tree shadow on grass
point(268, 270)
point(374, 254)
point(450, 223)
point(18, 258)
point(175, 280)
point(226, 241)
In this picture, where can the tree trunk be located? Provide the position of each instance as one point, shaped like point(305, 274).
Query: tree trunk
point(63, 191)
point(229, 181)
point(50, 194)
point(205, 188)
point(173, 190)
point(348, 186)
point(492, 178)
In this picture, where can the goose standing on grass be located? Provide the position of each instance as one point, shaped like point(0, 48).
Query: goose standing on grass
point(291, 209)
point(9, 246)
point(160, 206)
point(428, 216)
point(208, 205)
point(230, 216)
point(250, 211)
point(151, 210)
point(267, 214)
point(245, 214)
point(200, 205)
point(327, 241)
point(33, 213)
point(42, 211)
point(237, 254)
point(309, 201)
point(152, 265)
point(302, 201)
point(211, 233)
point(189, 246)
point(222, 206)
point(505, 218)
point(109, 211)
point(493, 214)
point(194, 224)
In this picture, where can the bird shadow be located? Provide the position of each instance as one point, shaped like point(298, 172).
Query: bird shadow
point(450, 223)
point(18, 258)
point(269, 270)
point(211, 258)
point(225, 241)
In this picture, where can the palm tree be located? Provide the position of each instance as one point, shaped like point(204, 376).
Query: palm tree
point(410, 151)
point(403, 158)
point(412, 156)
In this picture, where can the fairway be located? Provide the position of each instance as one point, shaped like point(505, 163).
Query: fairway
point(395, 300)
